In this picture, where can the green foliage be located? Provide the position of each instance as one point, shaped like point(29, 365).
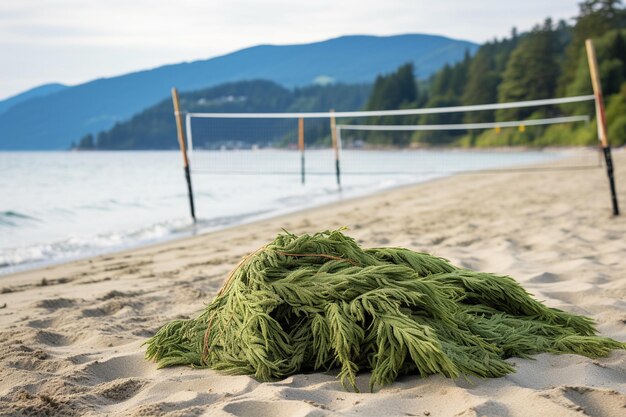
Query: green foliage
point(617, 130)
point(569, 135)
point(548, 61)
point(316, 302)
point(392, 91)
point(438, 138)
point(86, 142)
point(616, 113)
point(612, 64)
point(596, 17)
point(482, 84)
point(531, 72)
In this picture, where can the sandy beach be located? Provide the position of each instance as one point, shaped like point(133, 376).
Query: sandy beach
point(71, 335)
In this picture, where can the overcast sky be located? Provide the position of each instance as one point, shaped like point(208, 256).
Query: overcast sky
point(73, 41)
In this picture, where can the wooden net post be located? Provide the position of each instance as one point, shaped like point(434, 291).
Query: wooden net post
point(601, 119)
point(301, 147)
point(183, 149)
point(335, 139)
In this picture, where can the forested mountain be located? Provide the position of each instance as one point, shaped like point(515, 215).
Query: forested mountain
point(54, 120)
point(40, 91)
point(549, 61)
point(155, 128)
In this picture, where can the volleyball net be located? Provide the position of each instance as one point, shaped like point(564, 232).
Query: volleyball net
point(386, 142)
point(401, 142)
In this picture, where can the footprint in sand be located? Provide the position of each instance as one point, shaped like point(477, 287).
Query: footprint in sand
point(52, 338)
point(545, 278)
point(125, 366)
point(591, 401)
point(253, 408)
point(55, 303)
point(120, 390)
point(109, 308)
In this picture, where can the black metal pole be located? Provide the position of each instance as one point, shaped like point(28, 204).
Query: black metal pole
point(302, 167)
point(594, 72)
point(609, 172)
point(338, 172)
point(190, 193)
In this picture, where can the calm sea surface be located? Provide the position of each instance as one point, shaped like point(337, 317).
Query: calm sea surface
point(56, 206)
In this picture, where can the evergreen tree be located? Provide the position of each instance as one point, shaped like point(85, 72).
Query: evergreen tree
point(393, 91)
point(458, 80)
point(482, 85)
point(531, 72)
point(87, 142)
point(614, 66)
point(596, 17)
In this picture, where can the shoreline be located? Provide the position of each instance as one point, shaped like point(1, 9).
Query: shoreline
point(184, 237)
point(191, 230)
point(72, 344)
point(200, 231)
point(252, 220)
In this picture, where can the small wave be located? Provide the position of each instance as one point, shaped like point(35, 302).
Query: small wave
point(14, 218)
point(16, 214)
point(75, 247)
point(110, 204)
point(14, 259)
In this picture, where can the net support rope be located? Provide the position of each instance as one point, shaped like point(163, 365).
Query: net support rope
point(469, 126)
point(404, 112)
point(400, 112)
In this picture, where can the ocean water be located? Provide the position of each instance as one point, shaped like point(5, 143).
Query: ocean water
point(58, 206)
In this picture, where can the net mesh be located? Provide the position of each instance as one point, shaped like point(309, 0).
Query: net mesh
point(260, 146)
point(402, 142)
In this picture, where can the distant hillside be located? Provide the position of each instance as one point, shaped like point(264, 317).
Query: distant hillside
point(55, 120)
point(154, 128)
point(42, 90)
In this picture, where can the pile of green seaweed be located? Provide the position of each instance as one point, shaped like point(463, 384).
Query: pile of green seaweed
point(316, 302)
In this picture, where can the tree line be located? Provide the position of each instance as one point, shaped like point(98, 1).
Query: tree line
point(155, 128)
point(548, 61)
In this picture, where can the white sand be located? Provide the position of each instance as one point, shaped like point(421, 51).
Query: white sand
point(73, 345)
